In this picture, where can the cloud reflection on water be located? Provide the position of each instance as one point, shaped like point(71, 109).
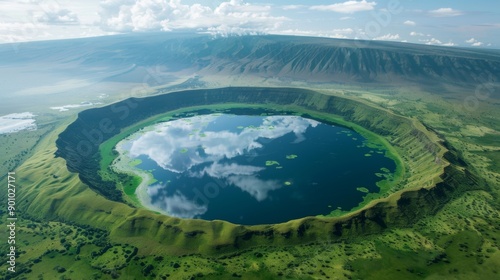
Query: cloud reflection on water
point(177, 204)
point(180, 145)
point(241, 176)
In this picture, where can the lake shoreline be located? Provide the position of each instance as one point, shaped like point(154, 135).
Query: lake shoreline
point(121, 164)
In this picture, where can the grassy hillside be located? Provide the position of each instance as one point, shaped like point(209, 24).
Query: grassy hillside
point(178, 236)
point(435, 231)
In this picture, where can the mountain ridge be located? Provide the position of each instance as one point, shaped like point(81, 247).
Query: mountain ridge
point(263, 56)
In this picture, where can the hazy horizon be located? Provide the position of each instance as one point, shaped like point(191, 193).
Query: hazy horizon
point(444, 23)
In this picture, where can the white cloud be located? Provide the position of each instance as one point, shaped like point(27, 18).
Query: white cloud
point(58, 16)
point(17, 122)
point(388, 36)
point(21, 31)
point(344, 30)
point(347, 7)
point(293, 7)
point(31, 20)
point(346, 18)
point(413, 33)
point(166, 15)
point(473, 42)
point(434, 41)
point(445, 12)
point(409, 23)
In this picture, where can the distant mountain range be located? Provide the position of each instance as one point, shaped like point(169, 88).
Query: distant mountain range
point(266, 56)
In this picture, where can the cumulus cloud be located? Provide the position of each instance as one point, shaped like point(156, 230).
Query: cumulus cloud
point(473, 42)
point(445, 12)
point(347, 7)
point(167, 15)
point(434, 41)
point(58, 16)
point(293, 7)
point(410, 23)
point(32, 20)
point(388, 36)
point(21, 31)
point(413, 33)
point(344, 30)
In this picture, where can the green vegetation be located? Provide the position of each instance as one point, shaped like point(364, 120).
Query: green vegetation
point(15, 148)
point(135, 162)
point(362, 189)
point(183, 150)
point(450, 233)
point(271, 163)
point(373, 141)
point(291, 156)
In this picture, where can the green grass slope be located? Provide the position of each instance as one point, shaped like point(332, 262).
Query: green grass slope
point(53, 193)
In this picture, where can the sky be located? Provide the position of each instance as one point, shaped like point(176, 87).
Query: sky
point(462, 23)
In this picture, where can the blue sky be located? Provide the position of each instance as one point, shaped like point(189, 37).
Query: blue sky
point(461, 23)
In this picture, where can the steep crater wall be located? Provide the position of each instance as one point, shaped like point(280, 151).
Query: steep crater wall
point(79, 145)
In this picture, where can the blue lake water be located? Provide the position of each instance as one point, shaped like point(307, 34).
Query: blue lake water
point(252, 169)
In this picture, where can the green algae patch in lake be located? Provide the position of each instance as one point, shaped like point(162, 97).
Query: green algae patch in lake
point(226, 172)
point(271, 162)
point(135, 162)
point(363, 190)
